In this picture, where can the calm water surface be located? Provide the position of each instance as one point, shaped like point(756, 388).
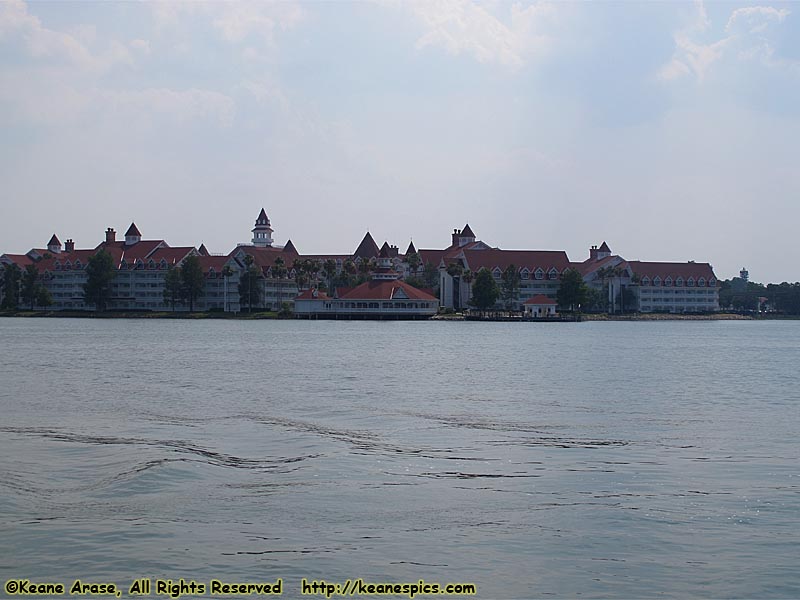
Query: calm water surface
point(535, 460)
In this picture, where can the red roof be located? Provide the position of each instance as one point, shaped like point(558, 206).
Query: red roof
point(385, 251)
point(133, 230)
point(591, 264)
point(54, 241)
point(289, 248)
point(672, 269)
point(215, 262)
point(539, 299)
point(604, 248)
point(21, 260)
point(172, 256)
point(384, 290)
point(467, 232)
point(532, 259)
point(311, 294)
point(433, 257)
point(202, 250)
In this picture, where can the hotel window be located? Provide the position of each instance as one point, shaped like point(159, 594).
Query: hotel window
point(526, 274)
point(539, 274)
point(553, 274)
point(712, 283)
point(668, 281)
point(690, 282)
point(679, 282)
point(701, 282)
point(645, 281)
point(657, 281)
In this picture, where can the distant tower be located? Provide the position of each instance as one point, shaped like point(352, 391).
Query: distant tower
point(262, 232)
point(54, 245)
point(744, 274)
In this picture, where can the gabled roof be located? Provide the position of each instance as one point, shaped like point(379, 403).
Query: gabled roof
point(591, 265)
point(604, 248)
point(172, 256)
point(467, 232)
point(539, 299)
point(262, 216)
point(532, 259)
point(411, 249)
point(384, 290)
point(54, 241)
point(289, 248)
point(21, 260)
point(367, 248)
point(215, 262)
point(311, 294)
point(672, 269)
point(385, 251)
point(202, 250)
point(133, 230)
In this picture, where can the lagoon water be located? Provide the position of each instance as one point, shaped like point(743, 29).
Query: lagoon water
point(536, 460)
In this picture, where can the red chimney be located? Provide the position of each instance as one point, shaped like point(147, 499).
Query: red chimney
point(69, 246)
point(456, 233)
point(593, 253)
point(111, 236)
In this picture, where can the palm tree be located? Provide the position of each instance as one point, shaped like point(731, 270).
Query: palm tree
point(226, 273)
point(455, 270)
point(248, 261)
point(604, 274)
point(329, 268)
point(467, 277)
point(279, 272)
point(413, 261)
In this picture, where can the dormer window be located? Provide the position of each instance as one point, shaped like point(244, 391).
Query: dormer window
point(668, 281)
point(679, 282)
point(539, 274)
point(162, 264)
point(712, 283)
point(496, 273)
point(526, 274)
point(151, 264)
point(67, 265)
point(57, 266)
point(553, 273)
point(657, 280)
point(690, 282)
point(123, 265)
point(645, 280)
point(701, 282)
point(139, 264)
point(78, 264)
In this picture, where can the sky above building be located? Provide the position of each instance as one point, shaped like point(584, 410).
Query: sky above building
point(670, 130)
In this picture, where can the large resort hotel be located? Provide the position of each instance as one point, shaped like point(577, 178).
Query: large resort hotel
point(371, 281)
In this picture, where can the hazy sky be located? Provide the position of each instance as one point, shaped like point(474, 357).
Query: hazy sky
point(670, 130)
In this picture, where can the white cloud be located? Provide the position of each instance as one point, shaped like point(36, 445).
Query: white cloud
point(465, 27)
point(757, 18)
point(745, 32)
point(234, 21)
point(47, 44)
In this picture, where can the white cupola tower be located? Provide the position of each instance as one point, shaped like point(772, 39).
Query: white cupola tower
point(262, 232)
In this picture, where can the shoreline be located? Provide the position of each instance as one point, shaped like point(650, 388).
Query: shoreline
point(256, 316)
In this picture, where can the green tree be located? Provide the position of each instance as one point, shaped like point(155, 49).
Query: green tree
point(43, 297)
point(484, 291)
point(455, 269)
point(227, 273)
point(279, 272)
point(510, 282)
point(413, 261)
point(249, 292)
point(329, 269)
point(430, 275)
point(192, 280)
point(30, 283)
point(100, 272)
point(173, 283)
point(573, 292)
point(11, 277)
